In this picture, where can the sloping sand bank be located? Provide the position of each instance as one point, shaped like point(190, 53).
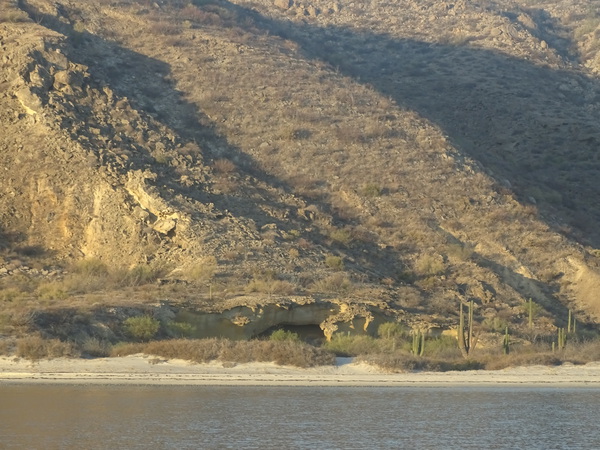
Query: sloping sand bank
point(148, 370)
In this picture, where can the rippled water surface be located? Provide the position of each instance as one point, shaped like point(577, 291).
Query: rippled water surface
point(298, 417)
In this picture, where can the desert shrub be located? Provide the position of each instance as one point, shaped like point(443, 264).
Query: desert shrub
point(443, 347)
point(224, 166)
point(495, 324)
point(166, 28)
point(54, 290)
point(19, 282)
point(337, 283)
point(35, 347)
point(520, 358)
point(334, 262)
point(180, 329)
point(430, 265)
point(402, 362)
point(6, 346)
point(12, 295)
point(286, 352)
point(141, 328)
point(201, 271)
point(142, 274)
point(346, 345)
point(270, 287)
point(390, 330)
point(87, 275)
point(284, 335)
point(197, 350)
point(371, 190)
point(459, 252)
point(90, 266)
point(341, 236)
point(95, 347)
point(126, 348)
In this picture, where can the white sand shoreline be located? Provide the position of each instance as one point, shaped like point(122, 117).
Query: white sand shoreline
point(147, 370)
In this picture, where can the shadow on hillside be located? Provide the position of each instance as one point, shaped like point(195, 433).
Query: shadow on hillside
point(535, 129)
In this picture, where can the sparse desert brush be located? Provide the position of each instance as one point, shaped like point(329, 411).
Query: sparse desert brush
point(14, 16)
point(390, 330)
point(295, 134)
point(460, 252)
point(224, 166)
point(371, 190)
point(200, 271)
point(271, 286)
point(285, 352)
point(304, 244)
point(166, 28)
point(94, 347)
point(54, 290)
point(430, 265)
point(346, 345)
point(12, 295)
point(6, 346)
point(141, 274)
point(198, 16)
point(495, 324)
point(90, 266)
point(35, 347)
point(401, 361)
point(337, 283)
point(341, 236)
point(225, 185)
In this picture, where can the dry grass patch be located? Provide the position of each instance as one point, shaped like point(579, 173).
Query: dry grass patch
point(337, 283)
point(35, 348)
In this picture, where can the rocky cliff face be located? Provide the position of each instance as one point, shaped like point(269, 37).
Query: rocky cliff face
point(418, 154)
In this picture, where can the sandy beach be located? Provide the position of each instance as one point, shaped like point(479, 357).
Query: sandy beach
point(149, 370)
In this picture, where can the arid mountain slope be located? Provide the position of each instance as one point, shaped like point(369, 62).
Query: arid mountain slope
point(424, 152)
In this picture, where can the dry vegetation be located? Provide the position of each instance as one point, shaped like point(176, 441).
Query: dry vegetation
point(414, 154)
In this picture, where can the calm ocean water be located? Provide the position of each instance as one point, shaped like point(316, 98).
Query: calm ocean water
point(115, 417)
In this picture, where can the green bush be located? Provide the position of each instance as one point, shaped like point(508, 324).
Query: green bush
point(283, 335)
point(181, 329)
point(141, 328)
point(334, 262)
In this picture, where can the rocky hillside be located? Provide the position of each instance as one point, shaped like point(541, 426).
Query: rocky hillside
point(403, 154)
